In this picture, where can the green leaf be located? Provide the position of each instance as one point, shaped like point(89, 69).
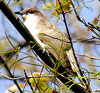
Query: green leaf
point(17, 2)
point(47, 6)
point(98, 73)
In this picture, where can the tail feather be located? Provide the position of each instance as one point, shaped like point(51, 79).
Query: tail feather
point(73, 62)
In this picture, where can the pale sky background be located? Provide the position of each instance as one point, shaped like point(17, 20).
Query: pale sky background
point(86, 14)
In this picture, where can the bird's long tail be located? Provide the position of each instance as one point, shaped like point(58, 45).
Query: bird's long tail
point(73, 63)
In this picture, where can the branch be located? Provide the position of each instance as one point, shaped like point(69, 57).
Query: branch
point(43, 55)
point(27, 80)
point(85, 55)
point(2, 61)
point(20, 45)
point(70, 39)
point(89, 25)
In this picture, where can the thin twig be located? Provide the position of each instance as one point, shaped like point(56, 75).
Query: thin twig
point(97, 28)
point(91, 26)
point(2, 61)
point(19, 78)
point(46, 76)
point(70, 40)
point(26, 77)
point(85, 55)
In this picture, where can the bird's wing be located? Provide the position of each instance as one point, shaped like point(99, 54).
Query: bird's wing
point(57, 44)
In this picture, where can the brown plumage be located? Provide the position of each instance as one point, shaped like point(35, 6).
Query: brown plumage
point(50, 38)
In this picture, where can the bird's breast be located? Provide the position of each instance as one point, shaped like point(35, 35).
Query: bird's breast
point(32, 27)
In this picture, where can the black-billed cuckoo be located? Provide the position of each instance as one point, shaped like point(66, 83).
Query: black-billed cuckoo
point(50, 38)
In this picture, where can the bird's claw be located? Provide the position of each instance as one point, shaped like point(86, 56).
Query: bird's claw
point(43, 50)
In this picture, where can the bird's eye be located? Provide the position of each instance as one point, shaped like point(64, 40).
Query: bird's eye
point(30, 11)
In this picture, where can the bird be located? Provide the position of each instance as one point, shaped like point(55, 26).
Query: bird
point(50, 38)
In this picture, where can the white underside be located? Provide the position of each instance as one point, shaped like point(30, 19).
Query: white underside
point(31, 23)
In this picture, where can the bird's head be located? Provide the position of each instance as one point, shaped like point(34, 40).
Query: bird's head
point(30, 13)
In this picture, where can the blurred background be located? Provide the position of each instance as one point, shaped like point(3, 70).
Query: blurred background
point(85, 42)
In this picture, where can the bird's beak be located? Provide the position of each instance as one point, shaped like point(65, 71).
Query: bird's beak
point(19, 13)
